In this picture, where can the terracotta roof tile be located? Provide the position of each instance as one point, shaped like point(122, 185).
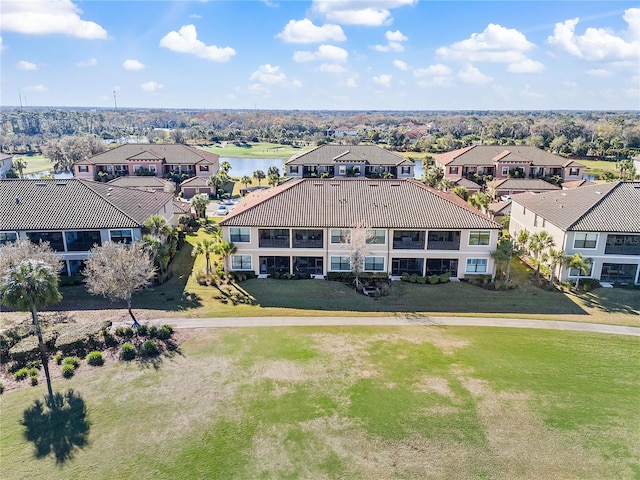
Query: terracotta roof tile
point(175, 154)
point(487, 154)
point(326, 154)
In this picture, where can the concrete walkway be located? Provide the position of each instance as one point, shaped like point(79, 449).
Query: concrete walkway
point(400, 319)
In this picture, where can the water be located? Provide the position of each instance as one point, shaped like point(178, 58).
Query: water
point(60, 176)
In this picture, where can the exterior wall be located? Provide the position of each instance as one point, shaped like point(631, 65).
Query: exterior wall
point(5, 166)
point(566, 173)
point(386, 250)
point(88, 175)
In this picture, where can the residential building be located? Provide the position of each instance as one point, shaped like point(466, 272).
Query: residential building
point(6, 164)
point(600, 221)
point(173, 160)
point(74, 215)
point(506, 187)
point(305, 225)
point(502, 161)
point(144, 182)
point(328, 161)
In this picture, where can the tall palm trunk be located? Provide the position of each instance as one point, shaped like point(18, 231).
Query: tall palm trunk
point(44, 358)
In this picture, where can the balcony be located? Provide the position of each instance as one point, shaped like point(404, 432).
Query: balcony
point(273, 238)
point(307, 239)
point(444, 240)
point(408, 240)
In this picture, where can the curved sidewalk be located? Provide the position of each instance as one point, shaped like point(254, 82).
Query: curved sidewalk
point(231, 322)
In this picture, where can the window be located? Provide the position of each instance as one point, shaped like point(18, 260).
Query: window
point(505, 170)
point(405, 170)
point(82, 241)
point(271, 265)
point(376, 236)
point(137, 168)
point(240, 262)
point(340, 264)
point(308, 239)
point(6, 237)
point(406, 265)
point(476, 265)
point(204, 168)
point(585, 240)
point(340, 235)
point(535, 220)
point(574, 171)
point(83, 168)
point(619, 272)
point(293, 169)
point(121, 236)
point(75, 266)
point(54, 239)
point(374, 264)
point(342, 169)
point(574, 272)
point(453, 170)
point(239, 235)
point(310, 265)
point(273, 237)
point(443, 240)
point(481, 237)
point(152, 168)
point(622, 244)
point(438, 266)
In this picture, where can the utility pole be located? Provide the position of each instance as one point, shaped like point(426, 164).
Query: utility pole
point(20, 97)
point(115, 102)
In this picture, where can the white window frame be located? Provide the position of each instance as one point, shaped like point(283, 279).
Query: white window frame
point(372, 233)
point(121, 230)
point(293, 168)
point(8, 232)
point(83, 168)
point(476, 262)
point(343, 258)
point(137, 167)
point(347, 237)
point(585, 236)
point(573, 272)
point(405, 170)
point(453, 170)
point(376, 260)
point(241, 232)
point(152, 168)
point(241, 256)
point(479, 232)
point(572, 170)
point(505, 170)
point(342, 169)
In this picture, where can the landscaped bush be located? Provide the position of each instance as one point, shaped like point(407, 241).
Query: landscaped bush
point(127, 351)
point(588, 284)
point(241, 276)
point(73, 361)
point(164, 333)
point(33, 372)
point(25, 350)
point(21, 374)
point(34, 380)
point(203, 278)
point(153, 331)
point(126, 332)
point(109, 340)
point(142, 330)
point(58, 358)
point(1, 388)
point(95, 358)
point(149, 348)
point(433, 279)
point(68, 370)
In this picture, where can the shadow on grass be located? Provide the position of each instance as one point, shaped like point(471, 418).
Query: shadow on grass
point(59, 429)
point(612, 300)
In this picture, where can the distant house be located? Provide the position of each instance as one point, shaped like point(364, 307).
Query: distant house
point(6, 164)
point(152, 184)
point(577, 184)
point(501, 161)
point(148, 159)
point(304, 226)
point(512, 186)
point(74, 215)
point(600, 221)
point(472, 187)
point(328, 161)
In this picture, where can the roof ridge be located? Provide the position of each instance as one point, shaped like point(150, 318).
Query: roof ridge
point(108, 200)
point(269, 194)
point(615, 185)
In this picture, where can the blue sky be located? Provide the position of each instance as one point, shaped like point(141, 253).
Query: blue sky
point(322, 54)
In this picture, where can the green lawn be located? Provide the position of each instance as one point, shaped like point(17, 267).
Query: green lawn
point(255, 150)
point(36, 163)
point(597, 167)
point(352, 402)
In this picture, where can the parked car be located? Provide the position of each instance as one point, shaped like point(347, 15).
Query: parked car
point(221, 211)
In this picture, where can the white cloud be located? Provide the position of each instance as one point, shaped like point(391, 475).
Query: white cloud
point(151, 86)
point(92, 62)
point(600, 72)
point(383, 80)
point(332, 68)
point(35, 88)
point(400, 65)
point(44, 17)
point(394, 39)
point(370, 13)
point(328, 53)
point(598, 44)
point(472, 75)
point(132, 65)
point(1, 45)
point(24, 65)
point(432, 71)
point(186, 40)
point(526, 66)
point(195, 15)
point(350, 83)
point(304, 31)
point(270, 75)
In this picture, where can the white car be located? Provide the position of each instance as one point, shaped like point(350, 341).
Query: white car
point(221, 211)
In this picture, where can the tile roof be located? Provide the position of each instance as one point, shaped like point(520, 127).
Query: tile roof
point(500, 208)
point(75, 204)
point(490, 154)
point(195, 182)
point(174, 154)
point(522, 184)
point(609, 207)
point(143, 182)
point(468, 184)
point(180, 207)
point(324, 203)
point(327, 154)
point(577, 183)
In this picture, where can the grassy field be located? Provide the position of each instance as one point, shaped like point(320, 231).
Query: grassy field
point(36, 163)
point(351, 402)
point(255, 150)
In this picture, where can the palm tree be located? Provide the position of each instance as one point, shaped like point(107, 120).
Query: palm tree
point(554, 259)
point(540, 242)
point(205, 247)
point(259, 175)
point(523, 240)
point(199, 204)
point(504, 253)
point(273, 179)
point(480, 200)
point(225, 167)
point(461, 191)
point(581, 264)
point(30, 286)
point(20, 164)
point(225, 250)
point(157, 225)
point(246, 180)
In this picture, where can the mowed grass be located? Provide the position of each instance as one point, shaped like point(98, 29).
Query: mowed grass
point(36, 163)
point(255, 150)
point(354, 402)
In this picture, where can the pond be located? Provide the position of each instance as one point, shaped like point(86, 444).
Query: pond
point(63, 175)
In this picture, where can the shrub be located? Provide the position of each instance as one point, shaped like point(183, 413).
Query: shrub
point(142, 330)
point(433, 279)
point(127, 352)
point(149, 347)
point(35, 364)
point(34, 380)
point(68, 370)
point(33, 372)
point(405, 277)
point(164, 333)
point(422, 280)
point(1, 388)
point(95, 358)
point(588, 284)
point(120, 331)
point(445, 277)
point(73, 361)
point(21, 374)
point(58, 358)
point(414, 278)
point(153, 331)
point(109, 340)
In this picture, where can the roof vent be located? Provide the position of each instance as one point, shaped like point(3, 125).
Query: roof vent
point(61, 184)
point(395, 184)
point(41, 184)
point(317, 183)
point(598, 193)
point(17, 199)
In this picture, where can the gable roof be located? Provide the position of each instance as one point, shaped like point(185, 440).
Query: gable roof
point(609, 207)
point(344, 203)
point(148, 182)
point(522, 184)
point(330, 154)
point(490, 154)
point(75, 204)
point(173, 154)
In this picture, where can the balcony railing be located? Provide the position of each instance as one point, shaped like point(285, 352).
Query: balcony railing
point(274, 242)
point(433, 245)
point(408, 244)
point(307, 243)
